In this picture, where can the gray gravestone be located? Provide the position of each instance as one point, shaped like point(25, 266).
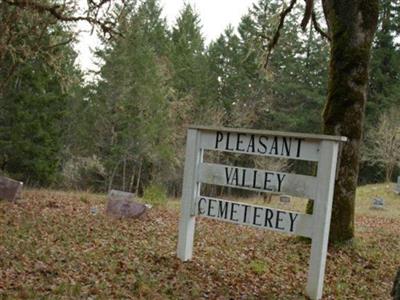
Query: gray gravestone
point(378, 203)
point(121, 204)
point(10, 189)
point(94, 210)
point(284, 199)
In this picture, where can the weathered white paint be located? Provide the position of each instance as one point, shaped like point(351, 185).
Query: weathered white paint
point(322, 218)
point(285, 199)
point(190, 189)
point(307, 136)
point(259, 180)
point(321, 149)
point(256, 216)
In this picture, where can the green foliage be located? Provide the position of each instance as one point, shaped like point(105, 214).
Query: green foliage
point(187, 54)
point(191, 79)
point(129, 107)
point(34, 100)
point(83, 173)
point(384, 90)
point(155, 194)
point(289, 95)
point(30, 133)
point(155, 81)
point(385, 64)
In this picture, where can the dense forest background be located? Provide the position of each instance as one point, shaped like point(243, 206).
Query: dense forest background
point(127, 128)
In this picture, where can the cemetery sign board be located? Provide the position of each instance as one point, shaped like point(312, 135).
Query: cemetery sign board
point(308, 147)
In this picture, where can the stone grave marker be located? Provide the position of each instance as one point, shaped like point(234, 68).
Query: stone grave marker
point(378, 203)
point(10, 189)
point(94, 210)
point(122, 205)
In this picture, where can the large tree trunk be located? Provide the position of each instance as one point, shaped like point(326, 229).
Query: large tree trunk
point(352, 26)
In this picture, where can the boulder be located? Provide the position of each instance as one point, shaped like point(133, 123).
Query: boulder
point(122, 205)
point(10, 189)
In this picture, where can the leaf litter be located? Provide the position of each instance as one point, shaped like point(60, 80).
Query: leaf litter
point(53, 247)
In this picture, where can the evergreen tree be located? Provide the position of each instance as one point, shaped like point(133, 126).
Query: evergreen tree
point(384, 90)
point(191, 75)
point(33, 105)
point(130, 101)
point(294, 76)
point(385, 64)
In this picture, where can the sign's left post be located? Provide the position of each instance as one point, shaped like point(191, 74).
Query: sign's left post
point(190, 191)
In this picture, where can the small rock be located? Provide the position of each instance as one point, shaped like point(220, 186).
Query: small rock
point(94, 210)
point(377, 203)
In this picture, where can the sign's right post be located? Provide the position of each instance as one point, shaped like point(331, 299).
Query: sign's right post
point(322, 217)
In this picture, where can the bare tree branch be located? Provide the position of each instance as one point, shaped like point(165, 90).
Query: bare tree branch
point(24, 23)
point(66, 42)
point(318, 27)
point(60, 12)
point(275, 39)
point(307, 13)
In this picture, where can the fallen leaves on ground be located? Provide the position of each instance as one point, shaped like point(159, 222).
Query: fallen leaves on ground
point(53, 246)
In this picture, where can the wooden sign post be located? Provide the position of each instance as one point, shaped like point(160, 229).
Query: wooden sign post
point(318, 148)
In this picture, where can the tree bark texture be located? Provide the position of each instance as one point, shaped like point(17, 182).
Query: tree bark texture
point(352, 25)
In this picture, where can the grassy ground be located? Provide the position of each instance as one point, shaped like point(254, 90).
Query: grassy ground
point(53, 247)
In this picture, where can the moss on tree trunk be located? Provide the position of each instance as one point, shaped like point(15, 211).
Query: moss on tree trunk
point(352, 25)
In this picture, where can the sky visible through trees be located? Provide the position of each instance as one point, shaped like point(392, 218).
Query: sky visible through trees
point(213, 23)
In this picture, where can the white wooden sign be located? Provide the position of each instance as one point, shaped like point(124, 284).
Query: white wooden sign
point(318, 148)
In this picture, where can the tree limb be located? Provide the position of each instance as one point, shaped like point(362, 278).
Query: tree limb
point(58, 11)
point(307, 13)
point(318, 28)
point(63, 43)
point(275, 39)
